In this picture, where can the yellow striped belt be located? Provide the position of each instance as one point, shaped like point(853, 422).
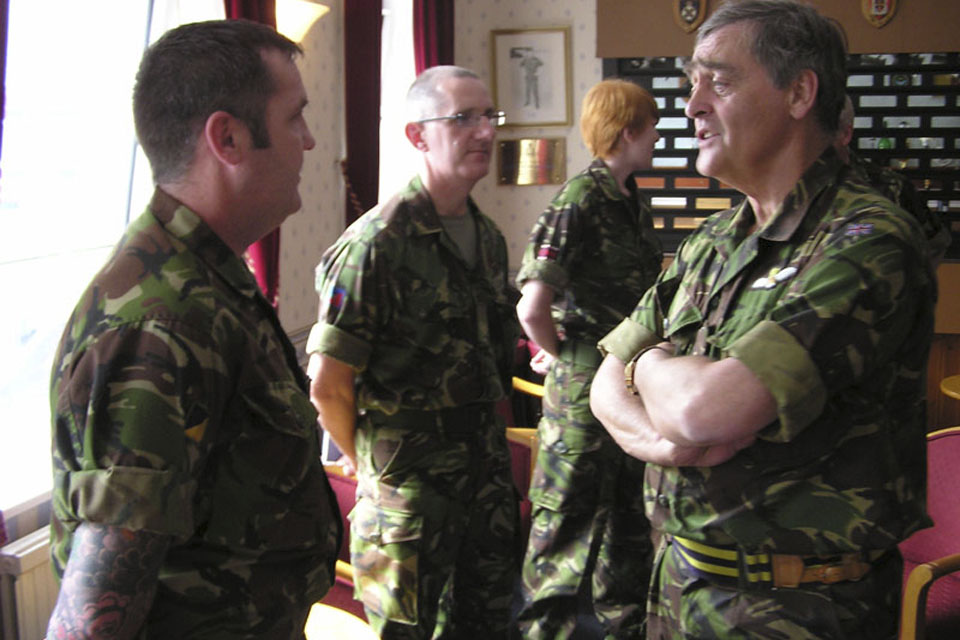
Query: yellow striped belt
point(729, 565)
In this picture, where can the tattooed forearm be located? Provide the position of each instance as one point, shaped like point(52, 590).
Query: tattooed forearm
point(109, 583)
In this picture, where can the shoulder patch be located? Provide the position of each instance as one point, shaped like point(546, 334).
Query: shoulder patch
point(338, 297)
point(859, 229)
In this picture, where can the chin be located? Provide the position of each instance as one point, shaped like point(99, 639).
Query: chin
point(708, 167)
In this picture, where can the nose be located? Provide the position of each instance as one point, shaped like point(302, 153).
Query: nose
point(485, 129)
point(695, 103)
point(308, 140)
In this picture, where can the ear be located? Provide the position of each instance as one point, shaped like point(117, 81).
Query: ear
point(414, 131)
point(225, 137)
point(802, 94)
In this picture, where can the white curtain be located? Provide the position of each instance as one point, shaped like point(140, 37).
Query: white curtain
point(399, 160)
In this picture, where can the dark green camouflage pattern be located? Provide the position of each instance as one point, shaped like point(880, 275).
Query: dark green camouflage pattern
point(831, 305)
point(899, 189)
point(178, 408)
point(682, 605)
point(588, 521)
point(436, 522)
point(434, 532)
point(399, 304)
point(597, 249)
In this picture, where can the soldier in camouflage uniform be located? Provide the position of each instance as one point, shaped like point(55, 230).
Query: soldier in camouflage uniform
point(894, 186)
point(189, 499)
point(774, 376)
point(590, 257)
point(413, 348)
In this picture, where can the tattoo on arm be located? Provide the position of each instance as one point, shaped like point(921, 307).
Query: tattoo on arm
point(109, 583)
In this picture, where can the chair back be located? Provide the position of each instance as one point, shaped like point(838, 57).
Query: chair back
point(942, 610)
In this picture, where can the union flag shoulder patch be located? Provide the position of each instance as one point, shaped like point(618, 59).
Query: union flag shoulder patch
point(859, 229)
point(338, 297)
point(547, 252)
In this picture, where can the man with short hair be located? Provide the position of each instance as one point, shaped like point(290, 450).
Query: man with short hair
point(895, 186)
point(773, 378)
point(413, 348)
point(189, 498)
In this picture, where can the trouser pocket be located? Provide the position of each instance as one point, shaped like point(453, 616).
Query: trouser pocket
point(385, 546)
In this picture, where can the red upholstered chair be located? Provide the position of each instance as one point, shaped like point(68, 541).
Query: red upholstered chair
point(931, 557)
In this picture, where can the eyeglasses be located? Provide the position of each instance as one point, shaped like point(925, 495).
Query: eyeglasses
point(471, 120)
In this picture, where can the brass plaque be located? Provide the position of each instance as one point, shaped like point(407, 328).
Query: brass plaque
point(532, 161)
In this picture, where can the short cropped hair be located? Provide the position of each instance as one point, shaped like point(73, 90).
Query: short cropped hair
point(424, 98)
point(611, 106)
point(846, 117)
point(193, 71)
point(788, 38)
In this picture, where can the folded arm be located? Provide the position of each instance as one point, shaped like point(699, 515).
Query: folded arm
point(629, 421)
point(697, 401)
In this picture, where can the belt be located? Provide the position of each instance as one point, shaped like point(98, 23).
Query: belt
point(580, 352)
point(729, 565)
point(462, 420)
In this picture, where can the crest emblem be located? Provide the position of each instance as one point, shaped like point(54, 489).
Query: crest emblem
point(688, 14)
point(878, 12)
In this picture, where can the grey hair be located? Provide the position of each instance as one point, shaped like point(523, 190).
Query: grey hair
point(790, 37)
point(424, 97)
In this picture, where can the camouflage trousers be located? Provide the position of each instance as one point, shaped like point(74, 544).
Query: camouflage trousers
point(588, 531)
point(434, 531)
point(683, 604)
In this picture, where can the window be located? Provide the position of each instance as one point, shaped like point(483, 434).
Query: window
point(70, 181)
point(397, 73)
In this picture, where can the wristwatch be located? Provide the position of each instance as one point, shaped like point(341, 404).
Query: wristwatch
point(631, 365)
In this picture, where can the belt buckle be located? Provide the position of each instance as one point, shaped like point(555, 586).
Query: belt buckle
point(787, 570)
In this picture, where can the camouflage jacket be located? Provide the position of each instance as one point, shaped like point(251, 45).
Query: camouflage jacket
point(898, 188)
point(597, 249)
point(831, 305)
point(179, 408)
point(399, 304)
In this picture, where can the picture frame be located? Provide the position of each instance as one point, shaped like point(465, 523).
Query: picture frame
point(532, 76)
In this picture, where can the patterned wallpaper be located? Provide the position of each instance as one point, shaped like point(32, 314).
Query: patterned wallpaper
point(305, 235)
point(515, 208)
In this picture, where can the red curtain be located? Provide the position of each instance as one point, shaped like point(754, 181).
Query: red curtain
point(264, 11)
point(263, 256)
point(362, 27)
point(432, 33)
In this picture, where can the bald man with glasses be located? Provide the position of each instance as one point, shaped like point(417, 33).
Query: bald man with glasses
point(412, 349)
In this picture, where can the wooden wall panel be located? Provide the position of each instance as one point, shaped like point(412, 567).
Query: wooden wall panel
point(634, 28)
point(942, 411)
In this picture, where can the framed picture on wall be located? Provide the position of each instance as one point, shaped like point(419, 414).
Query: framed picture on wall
point(531, 75)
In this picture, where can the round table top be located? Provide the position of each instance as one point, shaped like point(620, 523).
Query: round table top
point(951, 386)
point(329, 622)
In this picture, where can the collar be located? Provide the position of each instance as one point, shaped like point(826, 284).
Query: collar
point(422, 213)
point(818, 177)
point(601, 173)
point(186, 226)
